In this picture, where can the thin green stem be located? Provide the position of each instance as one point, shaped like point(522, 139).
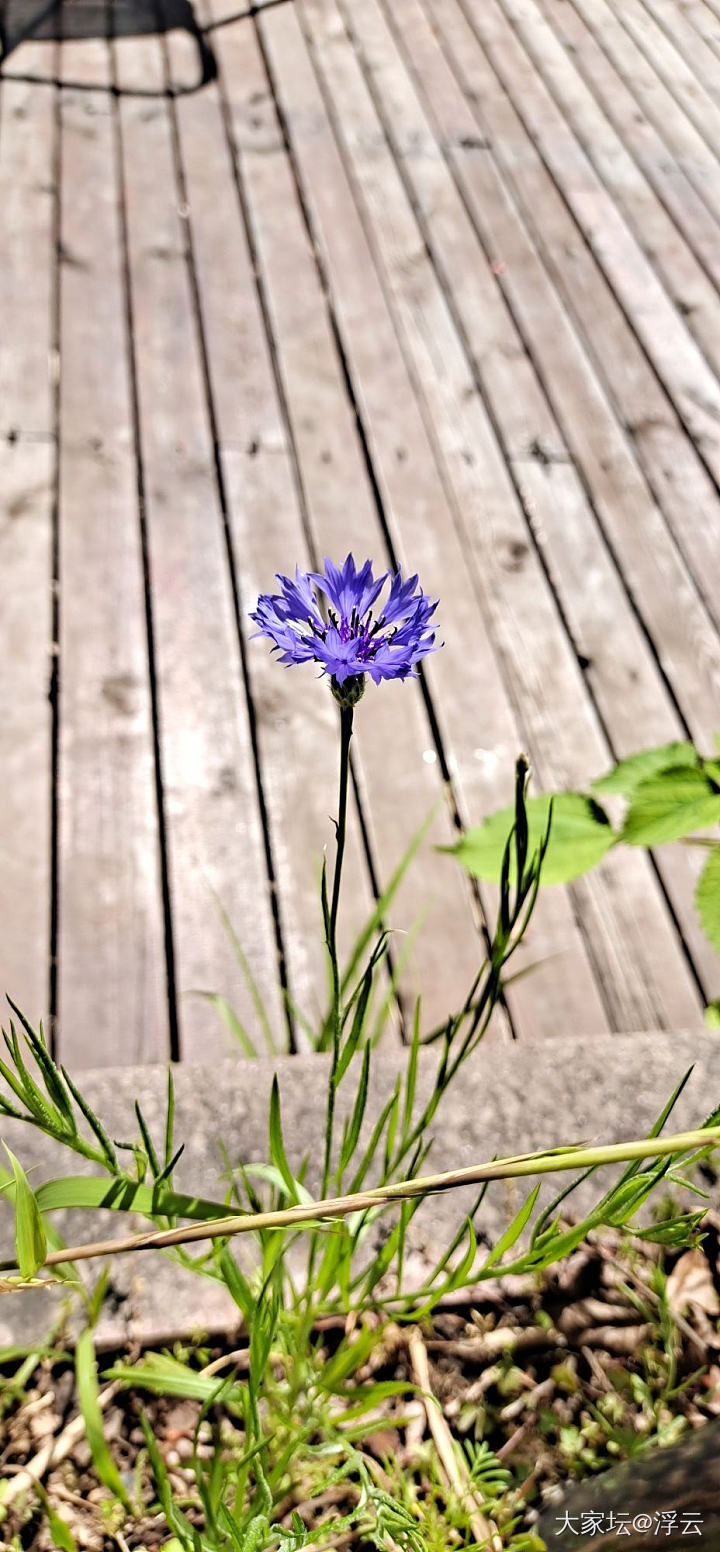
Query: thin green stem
point(346, 728)
point(517, 1167)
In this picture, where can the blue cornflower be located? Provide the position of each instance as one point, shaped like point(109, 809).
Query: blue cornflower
point(349, 643)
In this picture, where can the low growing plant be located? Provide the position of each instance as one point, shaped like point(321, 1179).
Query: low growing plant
point(670, 793)
point(322, 1280)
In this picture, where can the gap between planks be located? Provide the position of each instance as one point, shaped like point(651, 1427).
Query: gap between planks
point(28, 196)
point(460, 411)
point(289, 408)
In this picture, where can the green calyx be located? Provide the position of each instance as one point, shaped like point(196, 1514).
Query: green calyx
point(350, 692)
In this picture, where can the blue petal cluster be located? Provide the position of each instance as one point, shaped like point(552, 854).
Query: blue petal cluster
point(356, 635)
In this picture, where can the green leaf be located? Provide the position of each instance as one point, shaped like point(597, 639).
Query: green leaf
point(60, 1532)
point(147, 1141)
point(712, 1015)
point(375, 920)
point(277, 1146)
point(580, 836)
point(248, 977)
point(262, 1333)
point(676, 1232)
point(87, 1394)
point(238, 1286)
point(169, 1123)
point(125, 1196)
point(160, 1474)
point(357, 1028)
point(707, 899)
point(513, 1231)
point(166, 1376)
point(628, 774)
point(669, 805)
point(351, 1139)
point(30, 1241)
point(230, 1020)
point(94, 1123)
point(411, 1074)
point(52, 1080)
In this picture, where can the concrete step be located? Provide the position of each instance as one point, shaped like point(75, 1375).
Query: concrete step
point(509, 1099)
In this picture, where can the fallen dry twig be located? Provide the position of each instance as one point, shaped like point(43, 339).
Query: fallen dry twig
point(53, 1452)
point(458, 1478)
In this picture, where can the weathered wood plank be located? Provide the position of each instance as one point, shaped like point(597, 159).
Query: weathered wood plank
point(266, 132)
point(669, 459)
point(420, 508)
point(539, 277)
point(683, 81)
point(398, 767)
point(27, 490)
point(112, 981)
point(663, 245)
point(620, 666)
point(295, 718)
point(520, 609)
point(214, 835)
point(674, 20)
point(689, 380)
point(27, 194)
point(442, 268)
point(27, 480)
point(705, 22)
point(640, 136)
point(522, 606)
point(683, 140)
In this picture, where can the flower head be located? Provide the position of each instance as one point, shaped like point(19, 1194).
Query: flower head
point(357, 635)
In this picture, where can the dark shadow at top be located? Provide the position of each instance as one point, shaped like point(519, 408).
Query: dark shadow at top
point(73, 20)
point(23, 21)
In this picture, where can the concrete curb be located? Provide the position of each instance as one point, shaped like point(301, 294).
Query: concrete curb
point(510, 1098)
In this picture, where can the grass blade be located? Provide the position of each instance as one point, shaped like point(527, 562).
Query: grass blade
point(30, 1240)
point(277, 1146)
point(87, 1394)
point(375, 920)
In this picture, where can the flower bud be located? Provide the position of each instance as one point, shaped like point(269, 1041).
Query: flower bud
point(349, 693)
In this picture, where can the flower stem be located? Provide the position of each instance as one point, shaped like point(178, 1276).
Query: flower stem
point(346, 728)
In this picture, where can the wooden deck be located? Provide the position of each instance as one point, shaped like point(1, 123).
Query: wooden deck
point(432, 280)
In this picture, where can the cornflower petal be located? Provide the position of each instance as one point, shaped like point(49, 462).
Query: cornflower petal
point(351, 644)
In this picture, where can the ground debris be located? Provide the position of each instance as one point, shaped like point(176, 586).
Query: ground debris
point(560, 1376)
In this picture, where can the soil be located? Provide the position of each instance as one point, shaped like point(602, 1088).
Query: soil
point(613, 1353)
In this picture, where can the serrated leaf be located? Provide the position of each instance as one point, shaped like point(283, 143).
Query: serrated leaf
point(707, 899)
point(672, 804)
point(30, 1241)
point(580, 836)
point(628, 774)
